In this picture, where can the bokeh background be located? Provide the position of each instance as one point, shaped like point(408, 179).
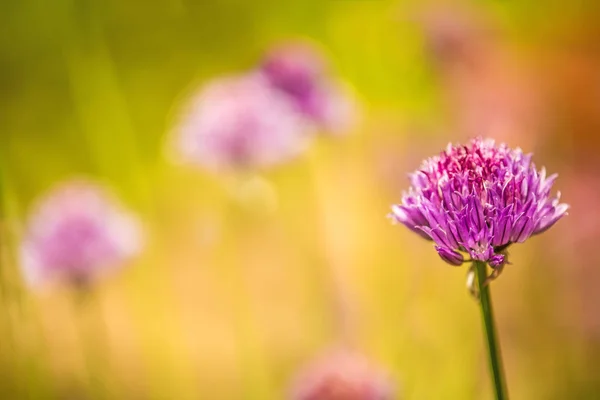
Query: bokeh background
point(237, 290)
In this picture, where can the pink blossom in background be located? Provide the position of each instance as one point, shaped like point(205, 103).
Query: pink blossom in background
point(342, 375)
point(578, 266)
point(240, 122)
point(489, 89)
point(76, 232)
point(301, 72)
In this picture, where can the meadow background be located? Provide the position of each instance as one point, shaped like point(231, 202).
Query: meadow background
point(235, 292)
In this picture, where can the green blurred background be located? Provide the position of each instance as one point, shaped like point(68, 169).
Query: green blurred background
point(230, 298)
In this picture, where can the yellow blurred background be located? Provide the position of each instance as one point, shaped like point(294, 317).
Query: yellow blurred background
point(237, 289)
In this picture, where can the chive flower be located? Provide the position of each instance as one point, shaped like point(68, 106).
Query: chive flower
point(239, 122)
point(479, 199)
point(342, 375)
point(301, 72)
point(76, 232)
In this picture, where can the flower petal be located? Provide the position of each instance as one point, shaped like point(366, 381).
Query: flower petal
point(450, 256)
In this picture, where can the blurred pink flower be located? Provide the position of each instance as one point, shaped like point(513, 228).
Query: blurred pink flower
point(578, 268)
point(301, 72)
point(342, 375)
point(490, 90)
point(238, 122)
point(75, 232)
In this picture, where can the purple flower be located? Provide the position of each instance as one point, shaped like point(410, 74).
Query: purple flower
point(75, 232)
point(342, 375)
point(479, 199)
point(240, 122)
point(300, 71)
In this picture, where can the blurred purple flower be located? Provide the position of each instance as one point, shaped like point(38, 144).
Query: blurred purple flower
point(479, 199)
point(240, 122)
point(75, 232)
point(342, 375)
point(456, 37)
point(300, 71)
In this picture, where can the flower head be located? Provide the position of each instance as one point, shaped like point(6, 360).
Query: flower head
point(240, 122)
point(301, 72)
point(76, 232)
point(342, 375)
point(479, 199)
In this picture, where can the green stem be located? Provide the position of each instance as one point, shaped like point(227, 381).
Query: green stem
point(493, 344)
point(93, 340)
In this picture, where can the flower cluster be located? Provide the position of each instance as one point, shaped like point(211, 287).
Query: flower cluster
point(342, 375)
point(262, 117)
point(479, 199)
point(76, 232)
point(300, 71)
point(238, 122)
